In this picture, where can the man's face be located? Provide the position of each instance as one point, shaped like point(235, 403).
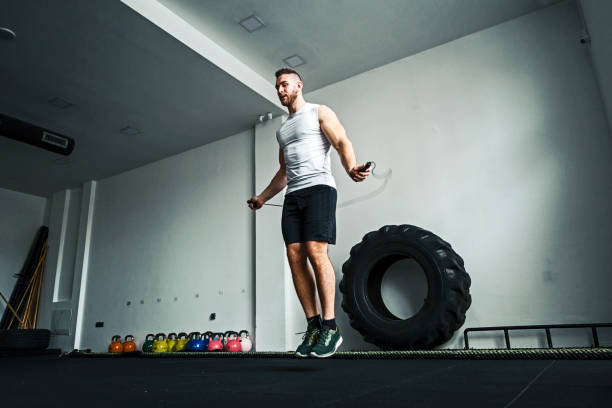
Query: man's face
point(288, 86)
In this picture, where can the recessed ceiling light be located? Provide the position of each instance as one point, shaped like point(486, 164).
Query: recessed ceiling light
point(130, 131)
point(60, 102)
point(294, 61)
point(252, 23)
point(7, 34)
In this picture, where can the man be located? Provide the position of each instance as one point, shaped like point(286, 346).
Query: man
point(309, 210)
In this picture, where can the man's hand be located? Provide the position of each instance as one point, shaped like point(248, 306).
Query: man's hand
point(359, 173)
point(255, 203)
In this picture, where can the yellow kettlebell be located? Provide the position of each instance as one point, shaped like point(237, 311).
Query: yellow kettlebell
point(171, 342)
point(181, 342)
point(160, 345)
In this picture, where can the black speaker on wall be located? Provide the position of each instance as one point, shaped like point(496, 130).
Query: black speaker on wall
point(27, 133)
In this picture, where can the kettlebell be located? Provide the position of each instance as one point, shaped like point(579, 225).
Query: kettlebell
point(232, 343)
point(181, 342)
point(115, 346)
point(160, 345)
point(195, 342)
point(147, 346)
point(129, 346)
point(245, 341)
point(216, 342)
point(171, 342)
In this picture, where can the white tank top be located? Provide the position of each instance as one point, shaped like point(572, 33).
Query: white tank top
point(305, 149)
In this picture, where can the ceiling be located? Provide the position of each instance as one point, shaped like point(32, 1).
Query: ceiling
point(342, 38)
point(119, 69)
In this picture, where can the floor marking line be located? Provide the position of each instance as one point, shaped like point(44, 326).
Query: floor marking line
point(529, 385)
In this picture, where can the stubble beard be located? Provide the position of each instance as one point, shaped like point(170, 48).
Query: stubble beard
point(290, 99)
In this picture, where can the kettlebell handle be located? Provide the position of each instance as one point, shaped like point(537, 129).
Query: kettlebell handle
point(129, 337)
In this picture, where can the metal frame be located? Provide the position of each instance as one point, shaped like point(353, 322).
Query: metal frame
point(546, 327)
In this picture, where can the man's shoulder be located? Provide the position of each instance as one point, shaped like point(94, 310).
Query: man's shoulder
point(325, 112)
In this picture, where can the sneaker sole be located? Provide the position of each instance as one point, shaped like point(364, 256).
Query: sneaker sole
point(302, 355)
point(331, 353)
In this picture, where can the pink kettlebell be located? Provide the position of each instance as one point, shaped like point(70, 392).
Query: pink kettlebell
point(216, 342)
point(245, 341)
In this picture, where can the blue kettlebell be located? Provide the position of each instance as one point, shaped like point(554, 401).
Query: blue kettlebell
point(195, 342)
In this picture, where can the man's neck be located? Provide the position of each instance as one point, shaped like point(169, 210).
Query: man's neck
point(296, 105)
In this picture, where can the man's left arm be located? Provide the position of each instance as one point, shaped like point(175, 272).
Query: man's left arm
point(335, 133)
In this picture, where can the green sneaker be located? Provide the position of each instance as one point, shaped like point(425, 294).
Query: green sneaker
point(328, 343)
point(310, 337)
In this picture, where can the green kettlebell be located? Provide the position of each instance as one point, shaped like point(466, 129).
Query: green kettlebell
point(147, 346)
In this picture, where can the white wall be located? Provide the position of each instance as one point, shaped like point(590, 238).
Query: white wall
point(498, 143)
point(70, 218)
point(173, 238)
point(21, 215)
point(271, 275)
point(598, 16)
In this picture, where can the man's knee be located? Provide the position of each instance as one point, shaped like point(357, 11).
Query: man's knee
point(296, 252)
point(317, 252)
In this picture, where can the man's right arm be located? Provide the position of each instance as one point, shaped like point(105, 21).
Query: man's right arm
point(279, 181)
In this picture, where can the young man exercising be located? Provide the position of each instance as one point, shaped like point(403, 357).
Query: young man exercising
point(309, 211)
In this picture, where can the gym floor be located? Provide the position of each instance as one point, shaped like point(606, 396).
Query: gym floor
point(174, 382)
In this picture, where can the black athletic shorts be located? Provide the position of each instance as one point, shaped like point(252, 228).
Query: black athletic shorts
point(309, 214)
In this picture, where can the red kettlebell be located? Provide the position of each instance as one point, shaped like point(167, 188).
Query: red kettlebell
point(129, 346)
point(216, 342)
point(233, 343)
point(245, 341)
point(116, 346)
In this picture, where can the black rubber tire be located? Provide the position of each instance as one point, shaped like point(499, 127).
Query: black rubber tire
point(34, 339)
point(448, 296)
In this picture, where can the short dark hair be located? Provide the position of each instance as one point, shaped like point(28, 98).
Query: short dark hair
point(284, 71)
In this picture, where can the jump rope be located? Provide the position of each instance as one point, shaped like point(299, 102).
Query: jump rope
point(386, 176)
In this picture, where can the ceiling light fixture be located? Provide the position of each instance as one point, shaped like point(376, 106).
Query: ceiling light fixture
point(7, 34)
point(60, 103)
point(294, 61)
point(130, 131)
point(252, 23)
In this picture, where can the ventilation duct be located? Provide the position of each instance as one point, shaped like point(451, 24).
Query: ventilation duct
point(36, 136)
